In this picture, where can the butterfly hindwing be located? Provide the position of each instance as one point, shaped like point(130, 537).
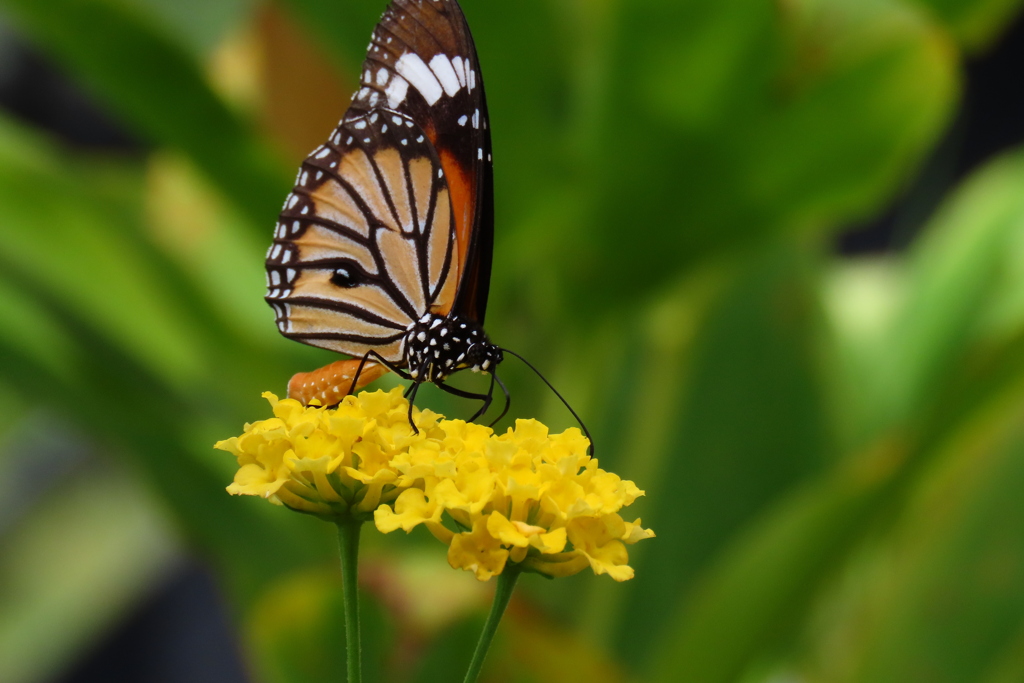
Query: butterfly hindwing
point(366, 242)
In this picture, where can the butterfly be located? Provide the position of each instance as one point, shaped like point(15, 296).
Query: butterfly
point(383, 248)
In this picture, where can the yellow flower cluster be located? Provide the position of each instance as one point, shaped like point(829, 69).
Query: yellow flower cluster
point(526, 497)
point(329, 463)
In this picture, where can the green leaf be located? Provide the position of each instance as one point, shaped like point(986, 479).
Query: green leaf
point(948, 598)
point(124, 357)
point(1009, 668)
point(30, 329)
point(962, 288)
point(975, 23)
point(754, 599)
point(61, 233)
point(749, 425)
point(160, 91)
point(760, 591)
point(761, 584)
point(198, 25)
point(48, 614)
point(731, 122)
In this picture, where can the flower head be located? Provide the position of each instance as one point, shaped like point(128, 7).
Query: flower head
point(331, 463)
point(526, 497)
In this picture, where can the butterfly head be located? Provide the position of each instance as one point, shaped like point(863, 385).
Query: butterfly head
point(436, 346)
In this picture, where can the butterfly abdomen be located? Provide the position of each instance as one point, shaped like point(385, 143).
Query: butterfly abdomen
point(332, 383)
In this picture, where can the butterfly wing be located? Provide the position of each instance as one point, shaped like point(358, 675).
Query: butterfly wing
point(365, 244)
point(393, 217)
point(422, 62)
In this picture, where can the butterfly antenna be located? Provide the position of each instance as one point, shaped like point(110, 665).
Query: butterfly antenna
point(544, 379)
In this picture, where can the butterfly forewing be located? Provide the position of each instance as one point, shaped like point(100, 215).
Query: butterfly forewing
point(366, 242)
point(422, 61)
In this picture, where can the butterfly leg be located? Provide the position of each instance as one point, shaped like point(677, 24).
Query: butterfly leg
point(471, 396)
point(359, 371)
point(413, 388)
point(356, 384)
point(487, 402)
point(508, 399)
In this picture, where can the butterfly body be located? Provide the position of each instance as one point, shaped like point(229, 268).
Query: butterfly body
point(436, 346)
point(383, 248)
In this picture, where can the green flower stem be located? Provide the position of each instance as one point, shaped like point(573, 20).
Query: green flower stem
point(348, 539)
point(502, 594)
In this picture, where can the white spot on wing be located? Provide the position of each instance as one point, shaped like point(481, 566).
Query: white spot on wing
point(476, 118)
point(419, 75)
point(383, 75)
point(460, 69)
point(442, 68)
point(463, 119)
point(397, 91)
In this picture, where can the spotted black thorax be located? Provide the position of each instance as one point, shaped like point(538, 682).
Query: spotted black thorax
point(436, 346)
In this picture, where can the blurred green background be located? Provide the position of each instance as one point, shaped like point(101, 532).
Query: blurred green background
point(766, 248)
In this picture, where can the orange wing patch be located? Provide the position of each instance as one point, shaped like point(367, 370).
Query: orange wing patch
point(462, 188)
